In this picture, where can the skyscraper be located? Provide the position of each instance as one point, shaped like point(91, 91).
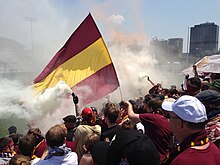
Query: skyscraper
point(204, 39)
point(175, 46)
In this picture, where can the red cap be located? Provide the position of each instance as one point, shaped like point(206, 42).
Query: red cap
point(86, 112)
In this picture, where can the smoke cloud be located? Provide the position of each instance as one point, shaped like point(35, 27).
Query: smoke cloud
point(47, 28)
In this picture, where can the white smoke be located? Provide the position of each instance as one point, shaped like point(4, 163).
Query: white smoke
point(51, 99)
point(131, 67)
point(43, 111)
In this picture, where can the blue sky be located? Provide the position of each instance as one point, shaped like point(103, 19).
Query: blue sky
point(147, 18)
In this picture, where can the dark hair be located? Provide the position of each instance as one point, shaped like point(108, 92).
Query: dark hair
point(196, 82)
point(55, 136)
point(12, 129)
point(27, 144)
point(147, 98)
point(111, 112)
point(4, 142)
point(155, 104)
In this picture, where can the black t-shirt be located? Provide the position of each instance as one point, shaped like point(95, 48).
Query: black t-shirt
point(110, 132)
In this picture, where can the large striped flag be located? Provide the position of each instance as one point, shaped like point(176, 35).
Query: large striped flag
point(84, 63)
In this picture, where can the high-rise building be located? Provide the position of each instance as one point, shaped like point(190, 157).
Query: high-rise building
point(204, 39)
point(175, 46)
point(169, 50)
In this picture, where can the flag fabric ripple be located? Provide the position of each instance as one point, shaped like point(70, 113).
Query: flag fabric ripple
point(84, 63)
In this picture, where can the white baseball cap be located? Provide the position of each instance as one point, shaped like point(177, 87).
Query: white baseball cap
point(188, 108)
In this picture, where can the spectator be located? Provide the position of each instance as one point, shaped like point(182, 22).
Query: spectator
point(156, 126)
point(69, 144)
point(87, 126)
point(70, 123)
point(40, 145)
point(128, 147)
point(57, 152)
point(12, 130)
point(211, 100)
point(111, 115)
point(15, 136)
point(187, 121)
point(90, 141)
point(6, 150)
point(26, 147)
point(193, 86)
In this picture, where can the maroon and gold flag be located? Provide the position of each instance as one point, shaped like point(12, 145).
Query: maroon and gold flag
point(84, 63)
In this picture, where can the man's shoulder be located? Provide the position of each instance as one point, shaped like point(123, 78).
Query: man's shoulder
point(70, 158)
point(88, 128)
point(151, 117)
point(199, 157)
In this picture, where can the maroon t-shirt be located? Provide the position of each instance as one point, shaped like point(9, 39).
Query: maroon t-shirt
point(40, 148)
point(71, 145)
point(157, 127)
point(210, 155)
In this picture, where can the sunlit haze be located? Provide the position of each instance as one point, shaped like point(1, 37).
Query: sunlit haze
point(127, 26)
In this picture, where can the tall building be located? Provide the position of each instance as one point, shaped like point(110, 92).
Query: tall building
point(204, 39)
point(175, 46)
point(167, 50)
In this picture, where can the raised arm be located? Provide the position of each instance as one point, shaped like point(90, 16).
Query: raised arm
point(148, 78)
point(195, 71)
point(76, 101)
point(132, 116)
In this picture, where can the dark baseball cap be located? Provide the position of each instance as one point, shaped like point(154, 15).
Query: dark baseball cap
point(70, 118)
point(211, 100)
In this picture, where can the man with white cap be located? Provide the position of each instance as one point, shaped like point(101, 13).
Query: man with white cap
point(187, 121)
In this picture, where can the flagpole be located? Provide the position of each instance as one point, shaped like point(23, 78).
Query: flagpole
point(120, 93)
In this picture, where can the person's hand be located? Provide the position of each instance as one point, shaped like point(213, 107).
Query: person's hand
point(75, 98)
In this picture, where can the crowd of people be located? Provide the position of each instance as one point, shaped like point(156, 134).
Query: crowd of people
point(166, 126)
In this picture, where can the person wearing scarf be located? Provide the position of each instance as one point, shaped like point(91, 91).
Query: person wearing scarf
point(6, 150)
point(57, 152)
point(187, 121)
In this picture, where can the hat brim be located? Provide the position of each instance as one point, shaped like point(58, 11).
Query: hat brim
point(167, 106)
